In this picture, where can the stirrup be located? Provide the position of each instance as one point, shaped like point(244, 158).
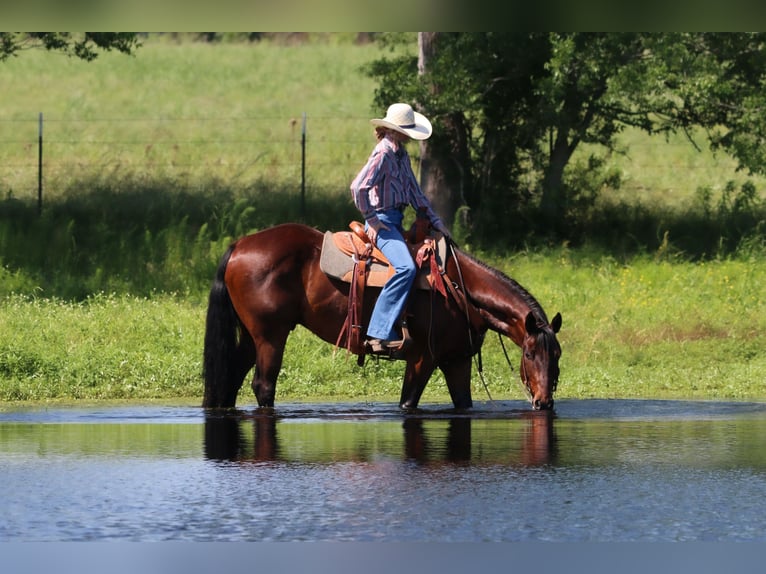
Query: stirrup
point(378, 346)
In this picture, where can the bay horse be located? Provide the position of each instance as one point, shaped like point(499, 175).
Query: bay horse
point(269, 282)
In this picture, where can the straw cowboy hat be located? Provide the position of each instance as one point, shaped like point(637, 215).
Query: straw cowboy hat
point(402, 118)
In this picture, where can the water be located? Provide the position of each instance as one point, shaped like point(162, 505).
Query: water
point(597, 470)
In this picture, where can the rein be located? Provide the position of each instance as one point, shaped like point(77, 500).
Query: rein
point(464, 303)
point(462, 300)
point(525, 385)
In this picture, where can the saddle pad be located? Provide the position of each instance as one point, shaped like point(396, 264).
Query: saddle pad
point(337, 264)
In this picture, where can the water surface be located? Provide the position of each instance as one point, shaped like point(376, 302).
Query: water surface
point(596, 470)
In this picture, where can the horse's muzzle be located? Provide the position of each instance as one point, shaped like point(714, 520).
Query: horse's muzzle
point(542, 405)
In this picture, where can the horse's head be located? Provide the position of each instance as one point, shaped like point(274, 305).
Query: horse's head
point(540, 352)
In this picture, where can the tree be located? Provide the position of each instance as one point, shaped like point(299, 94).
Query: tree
point(465, 86)
point(525, 102)
point(577, 106)
point(84, 45)
point(727, 97)
point(444, 158)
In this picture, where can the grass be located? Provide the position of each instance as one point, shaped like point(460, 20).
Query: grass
point(112, 347)
point(662, 329)
point(638, 330)
point(189, 112)
point(106, 347)
point(668, 171)
point(154, 163)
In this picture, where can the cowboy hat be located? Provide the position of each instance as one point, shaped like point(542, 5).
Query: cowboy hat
point(403, 119)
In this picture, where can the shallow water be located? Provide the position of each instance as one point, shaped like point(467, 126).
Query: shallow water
point(596, 470)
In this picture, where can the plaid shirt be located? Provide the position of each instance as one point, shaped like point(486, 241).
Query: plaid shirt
point(387, 182)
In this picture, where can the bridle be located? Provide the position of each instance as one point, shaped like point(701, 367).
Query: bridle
point(525, 377)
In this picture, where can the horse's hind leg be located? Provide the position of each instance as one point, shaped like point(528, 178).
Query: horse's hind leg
point(243, 362)
point(268, 363)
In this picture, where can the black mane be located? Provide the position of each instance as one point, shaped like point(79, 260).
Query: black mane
point(514, 285)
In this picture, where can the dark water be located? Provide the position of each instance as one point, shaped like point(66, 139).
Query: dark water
point(595, 471)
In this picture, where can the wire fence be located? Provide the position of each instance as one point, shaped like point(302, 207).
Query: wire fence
point(43, 155)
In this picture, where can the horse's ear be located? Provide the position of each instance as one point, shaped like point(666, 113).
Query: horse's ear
point(530, 323)
point(556, 323)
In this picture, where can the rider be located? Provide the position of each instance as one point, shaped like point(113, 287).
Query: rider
point(382, 190)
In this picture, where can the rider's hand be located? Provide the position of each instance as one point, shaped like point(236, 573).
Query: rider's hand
point(441, 228)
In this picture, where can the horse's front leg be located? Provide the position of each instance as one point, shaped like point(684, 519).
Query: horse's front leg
point(457, 374)
point(416, 375)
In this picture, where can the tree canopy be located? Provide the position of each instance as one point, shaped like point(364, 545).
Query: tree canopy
point(85, 45)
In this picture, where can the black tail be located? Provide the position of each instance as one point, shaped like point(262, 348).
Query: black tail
point(222, 329)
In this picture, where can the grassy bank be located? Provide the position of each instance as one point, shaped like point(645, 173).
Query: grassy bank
point(645, 329)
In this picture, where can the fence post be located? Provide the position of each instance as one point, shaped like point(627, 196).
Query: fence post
point(303, 168)
point(40, 165)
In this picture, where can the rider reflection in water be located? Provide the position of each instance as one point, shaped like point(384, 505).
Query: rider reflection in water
point(384, 187)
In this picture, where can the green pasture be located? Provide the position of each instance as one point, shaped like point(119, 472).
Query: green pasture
point(153, 163)
point(188, 113)
point(643, 329)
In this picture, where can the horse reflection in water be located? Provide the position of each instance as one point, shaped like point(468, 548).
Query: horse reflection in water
point(530, 443)
point(225, 439)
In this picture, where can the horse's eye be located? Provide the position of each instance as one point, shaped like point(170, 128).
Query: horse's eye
point(529, 355)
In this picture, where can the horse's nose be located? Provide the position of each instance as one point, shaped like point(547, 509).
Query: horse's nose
point(538, 404)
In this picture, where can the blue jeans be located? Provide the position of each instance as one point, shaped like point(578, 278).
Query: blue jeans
point(393, 296)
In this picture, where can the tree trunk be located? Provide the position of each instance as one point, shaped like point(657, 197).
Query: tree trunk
point(553, 200)
point(445, 161)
